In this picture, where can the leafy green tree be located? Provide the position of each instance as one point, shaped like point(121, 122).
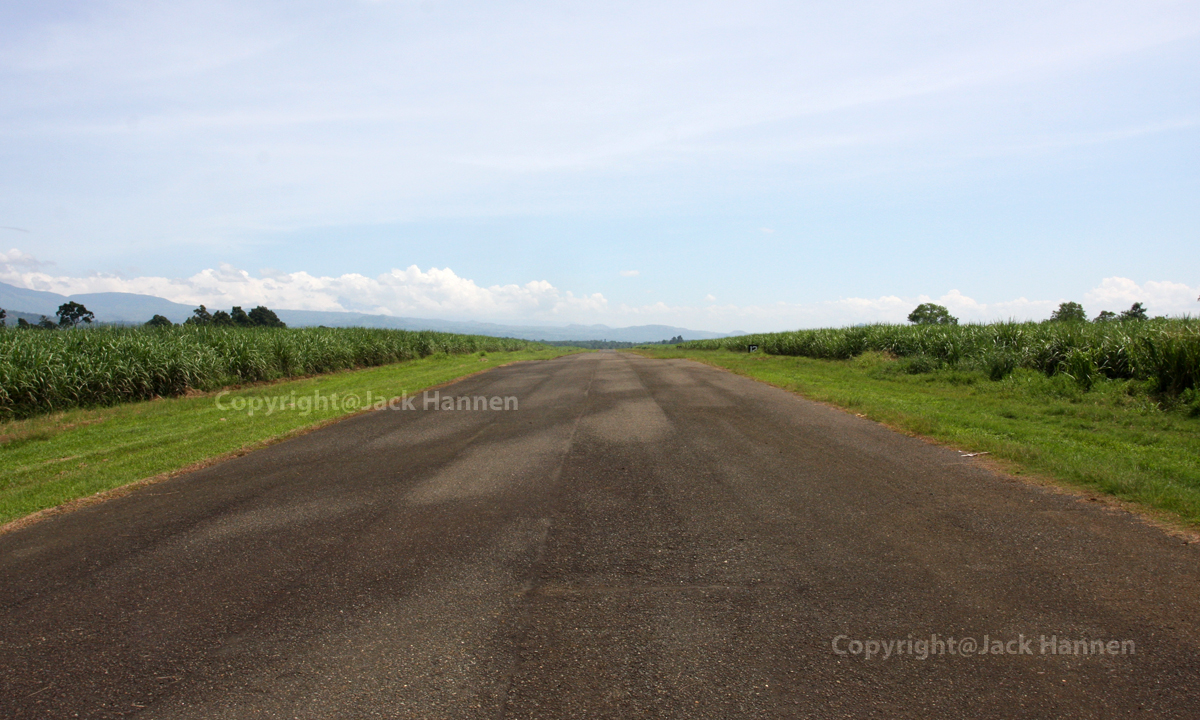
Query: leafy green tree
point(240, 318)
point(200, 316)
point(72, 313)
point(931, 314)
point(221, 319)
point(262, 317)
point(159, 321)
point(1135, 312)
point(1105, 316)
point(1069, 312)
point(47, 324)
point(3, 314)
point(23, 324)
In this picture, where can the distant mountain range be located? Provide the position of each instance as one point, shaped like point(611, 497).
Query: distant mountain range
point(131, 308)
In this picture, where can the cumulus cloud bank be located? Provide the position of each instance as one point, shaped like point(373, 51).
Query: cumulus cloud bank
point(1115, 293)
point(433, 293)
point(440, 293)
point(1162, 298)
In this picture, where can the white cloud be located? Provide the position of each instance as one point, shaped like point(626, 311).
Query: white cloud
point(630, 273)
point(17, 258)
point(1159, 298)
point(441, 293)
point(433, 293)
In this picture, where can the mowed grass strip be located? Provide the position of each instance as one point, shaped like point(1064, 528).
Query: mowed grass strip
point(53, 459)
point(1112, 439)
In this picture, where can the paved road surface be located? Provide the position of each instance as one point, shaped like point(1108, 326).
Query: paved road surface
point(640, 539)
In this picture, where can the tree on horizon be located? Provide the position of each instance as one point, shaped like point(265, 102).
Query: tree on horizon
point(1135, 312)
point(200, 316)
point(931, 314)
point(264, 317)
point(72, 313)
point(239, 317)
point(1069, 312)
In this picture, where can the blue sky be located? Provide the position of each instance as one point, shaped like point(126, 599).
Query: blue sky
point(719, 166)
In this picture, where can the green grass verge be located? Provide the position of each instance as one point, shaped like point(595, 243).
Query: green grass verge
point(1113, 439)
point(49, 460)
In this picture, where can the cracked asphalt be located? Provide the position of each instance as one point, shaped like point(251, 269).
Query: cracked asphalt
point(638, 539)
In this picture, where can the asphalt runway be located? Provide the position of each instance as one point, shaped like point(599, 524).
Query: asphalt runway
point(636, 539)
